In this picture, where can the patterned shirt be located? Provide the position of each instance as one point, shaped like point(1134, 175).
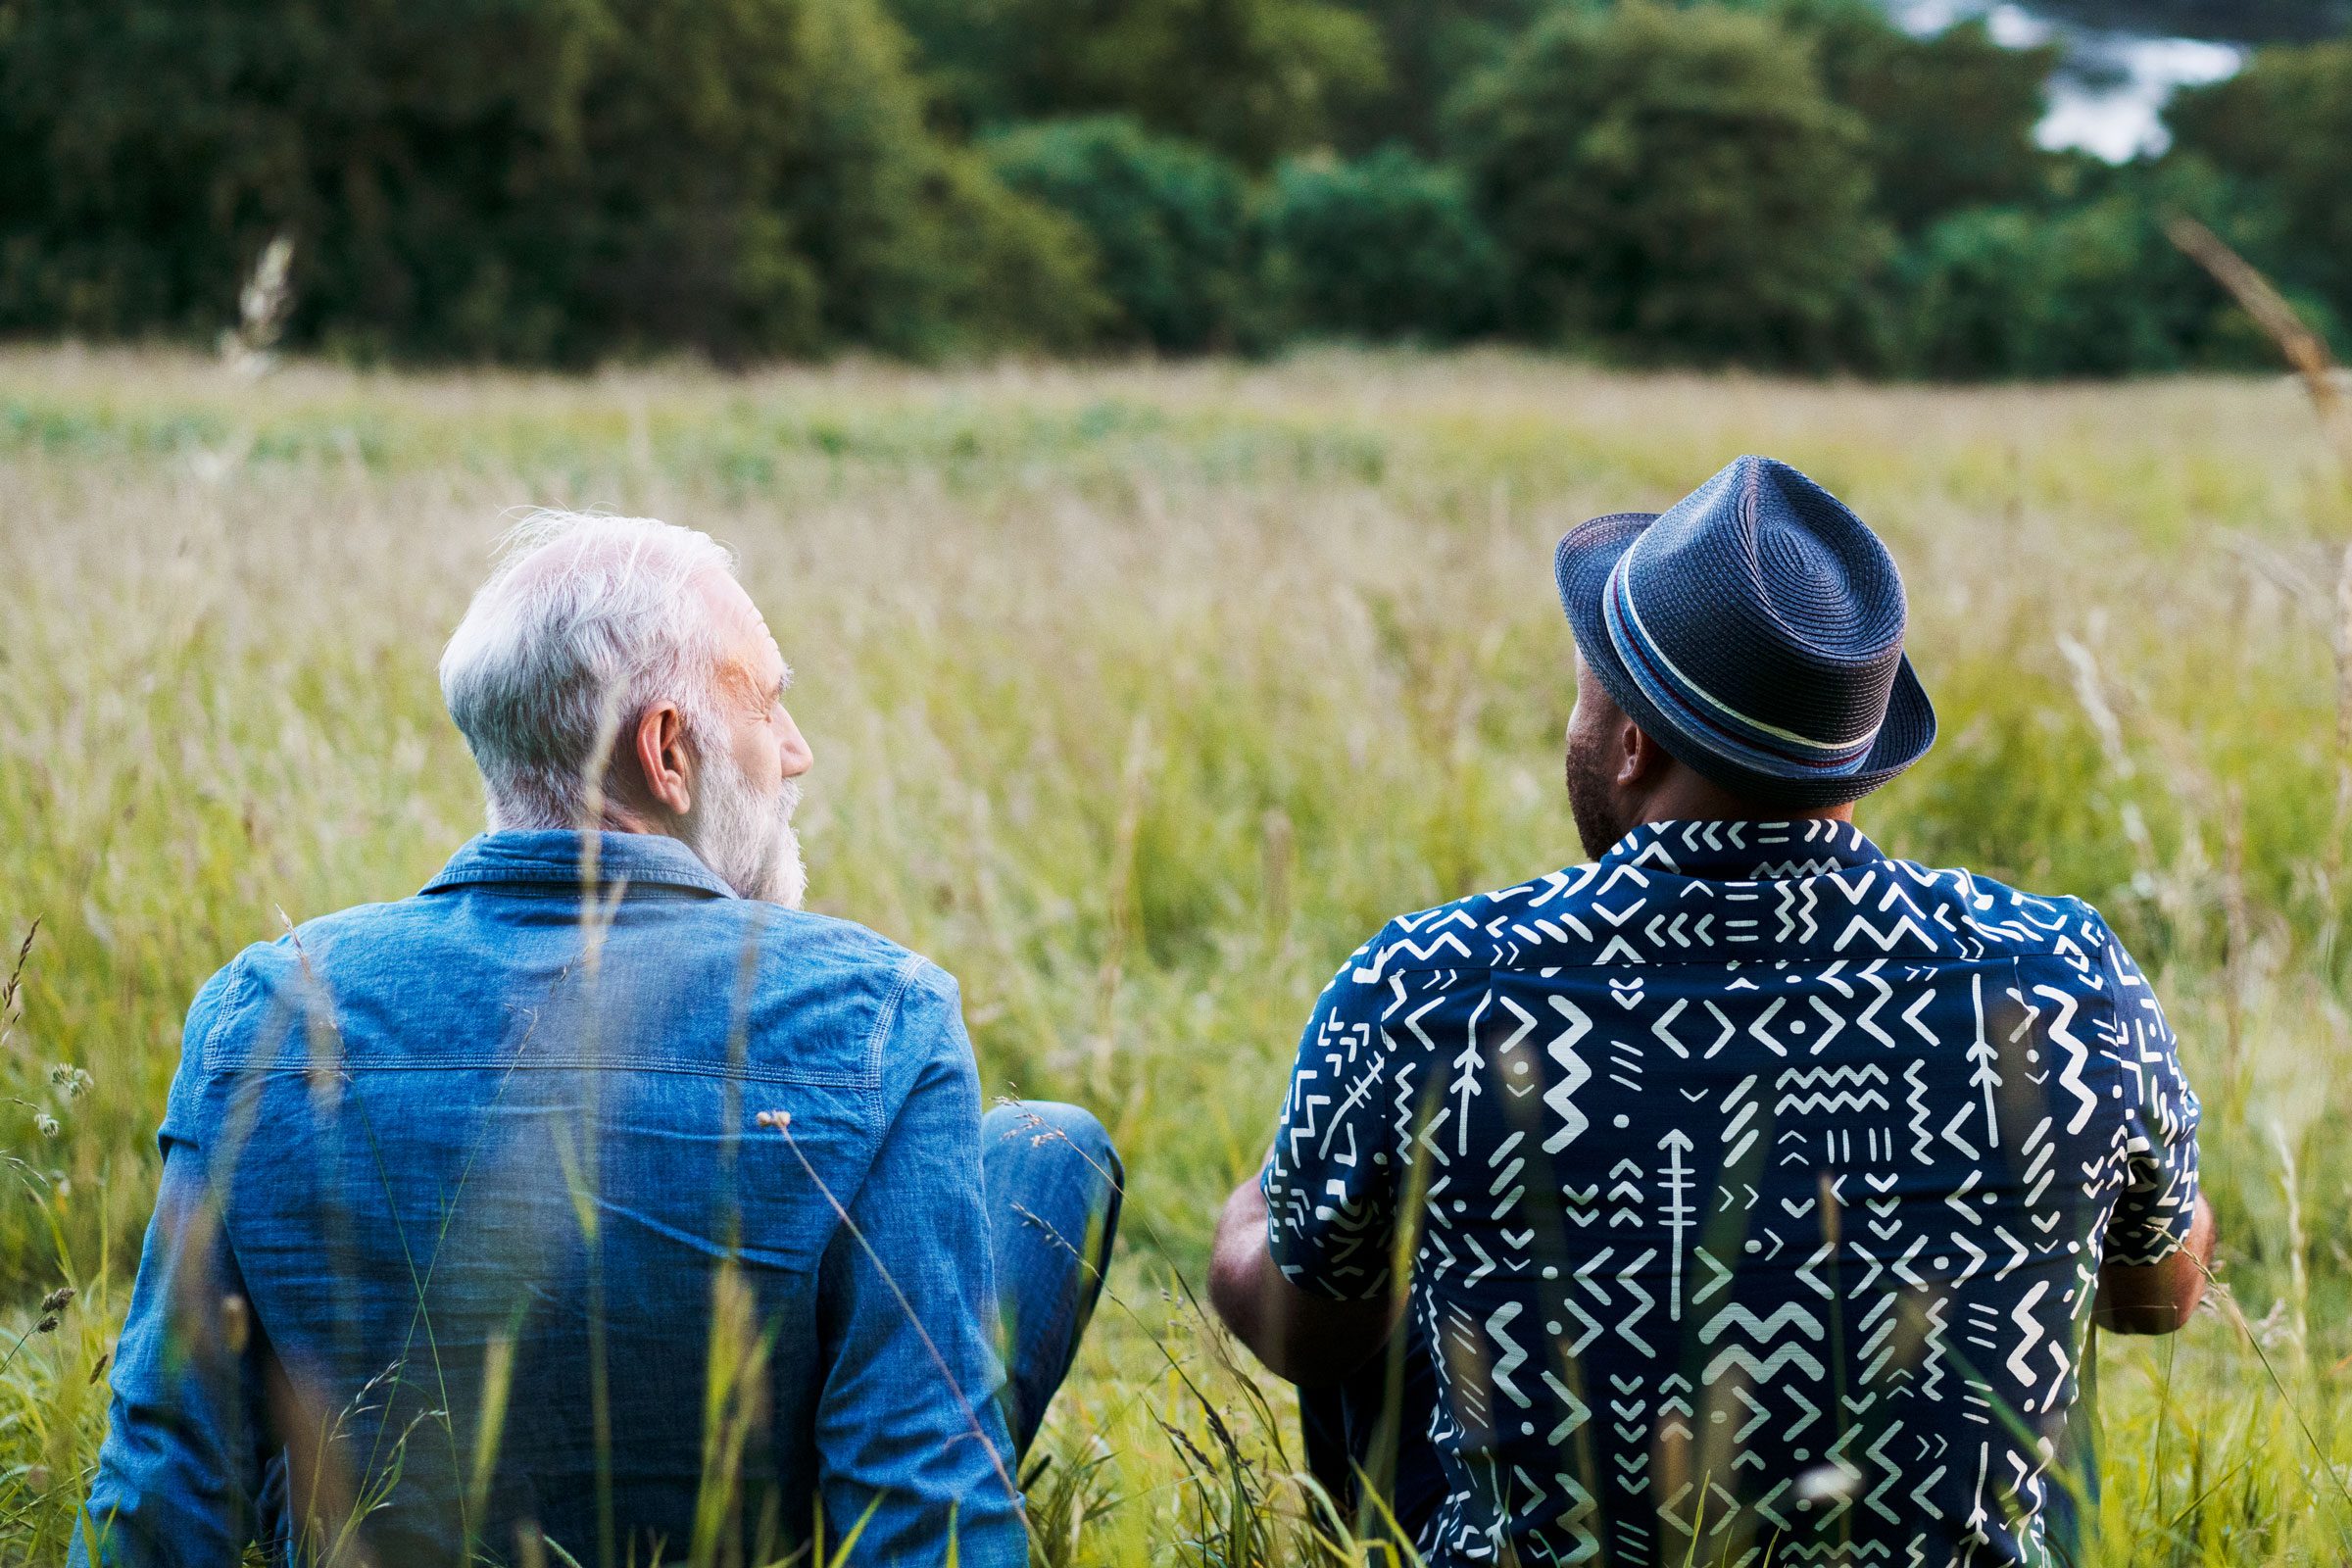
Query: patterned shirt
point(1754, 1186)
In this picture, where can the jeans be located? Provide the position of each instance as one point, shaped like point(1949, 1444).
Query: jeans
point(1052, 1184)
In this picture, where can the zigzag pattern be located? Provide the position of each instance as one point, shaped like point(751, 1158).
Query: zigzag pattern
point(1761, 1179)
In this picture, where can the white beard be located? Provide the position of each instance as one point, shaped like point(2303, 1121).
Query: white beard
point(748, 841)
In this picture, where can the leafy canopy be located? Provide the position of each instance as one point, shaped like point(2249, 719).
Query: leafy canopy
point(1248, 78)
point(1672, 182)
point(519, 180)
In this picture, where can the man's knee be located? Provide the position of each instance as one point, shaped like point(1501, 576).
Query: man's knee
point(1061, 1143)
point(1042, 1124)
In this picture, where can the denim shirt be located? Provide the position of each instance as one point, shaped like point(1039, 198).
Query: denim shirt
point(467, 1228)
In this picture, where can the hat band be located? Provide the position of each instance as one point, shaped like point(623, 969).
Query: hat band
point(1706, 717)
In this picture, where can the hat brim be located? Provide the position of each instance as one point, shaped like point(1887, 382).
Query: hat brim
point(1582, 569)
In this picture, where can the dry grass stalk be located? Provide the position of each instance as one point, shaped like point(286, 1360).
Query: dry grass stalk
point(2304, 349)
point(2335, 858)
point(2307, 351)
point(2238, 932)
point(263, 306)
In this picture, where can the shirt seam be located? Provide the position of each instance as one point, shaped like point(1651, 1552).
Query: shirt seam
point(849, 1079)
point(551, 888)
point(886, 1021)
point(240, 981)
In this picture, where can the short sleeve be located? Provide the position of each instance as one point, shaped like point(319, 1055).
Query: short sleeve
point(1331, 1207)
point(2159, 1200)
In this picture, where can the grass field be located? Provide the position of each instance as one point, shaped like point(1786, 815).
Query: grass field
point(1140, 696)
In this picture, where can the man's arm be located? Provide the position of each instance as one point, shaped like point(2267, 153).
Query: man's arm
point(1303, 1338)
point(179, 1474)
point(1336, 1304)
point(180, 1468)
point(2157, 1297)
point(911, 1444)
point(2159, 1240)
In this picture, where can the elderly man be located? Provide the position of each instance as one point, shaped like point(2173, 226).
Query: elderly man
point(1752, 1191)
point(596, 1204)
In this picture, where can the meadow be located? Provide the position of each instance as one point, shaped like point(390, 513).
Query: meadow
point(1140, 696)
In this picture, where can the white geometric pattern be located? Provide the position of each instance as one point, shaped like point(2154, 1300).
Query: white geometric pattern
point(1766, 1182)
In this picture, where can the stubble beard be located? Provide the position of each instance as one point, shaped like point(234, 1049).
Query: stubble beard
point(1597, 826)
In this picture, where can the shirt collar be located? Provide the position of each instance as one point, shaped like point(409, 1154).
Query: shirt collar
point(1744, 852)
point(559, 857)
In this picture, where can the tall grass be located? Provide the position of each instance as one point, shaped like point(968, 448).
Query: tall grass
point(1139, 697)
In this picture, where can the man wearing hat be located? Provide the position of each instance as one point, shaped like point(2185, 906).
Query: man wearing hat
point(1748, 1194)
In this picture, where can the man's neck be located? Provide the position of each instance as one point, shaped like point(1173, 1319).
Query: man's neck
point(1687, 797)
point(618, 816)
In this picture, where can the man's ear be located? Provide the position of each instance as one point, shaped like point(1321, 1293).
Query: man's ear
point(1641, 761)
point(659, 747)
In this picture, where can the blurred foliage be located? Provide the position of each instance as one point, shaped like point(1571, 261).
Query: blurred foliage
point(2093, 288)
point(545, 180)
point(1949, 118)
point(1431, 50)
point(1167, 220)
point(1384, 247)
point(1674, 182)
point(1246, 77)
point(2284, 128)
point(1789, 184)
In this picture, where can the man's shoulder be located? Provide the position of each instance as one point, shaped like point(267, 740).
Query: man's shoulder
point(1578, 917)
point(751, 961)
point(1480, 931)
point(298, 959)
point(800, 948)
point(805, 936)
point(725, 928)
point(2005, 919)
point(802, 952)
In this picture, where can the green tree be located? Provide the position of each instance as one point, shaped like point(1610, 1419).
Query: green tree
point(2283, 129)
point(1430, 51)
point(1949, 118)
point(1673, 182)
point(1167, 222)
point(1252, 78)
point(519, 180)
point(1384, 246)
point(2095, 288)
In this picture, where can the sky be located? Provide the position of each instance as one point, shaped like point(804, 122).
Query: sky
point(2109, 96)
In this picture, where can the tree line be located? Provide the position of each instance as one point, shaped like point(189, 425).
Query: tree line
point(1782, 183)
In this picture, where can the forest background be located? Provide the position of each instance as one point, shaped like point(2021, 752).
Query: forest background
point(1788, 184)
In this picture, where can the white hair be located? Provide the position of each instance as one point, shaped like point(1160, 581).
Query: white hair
point(586, 622)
